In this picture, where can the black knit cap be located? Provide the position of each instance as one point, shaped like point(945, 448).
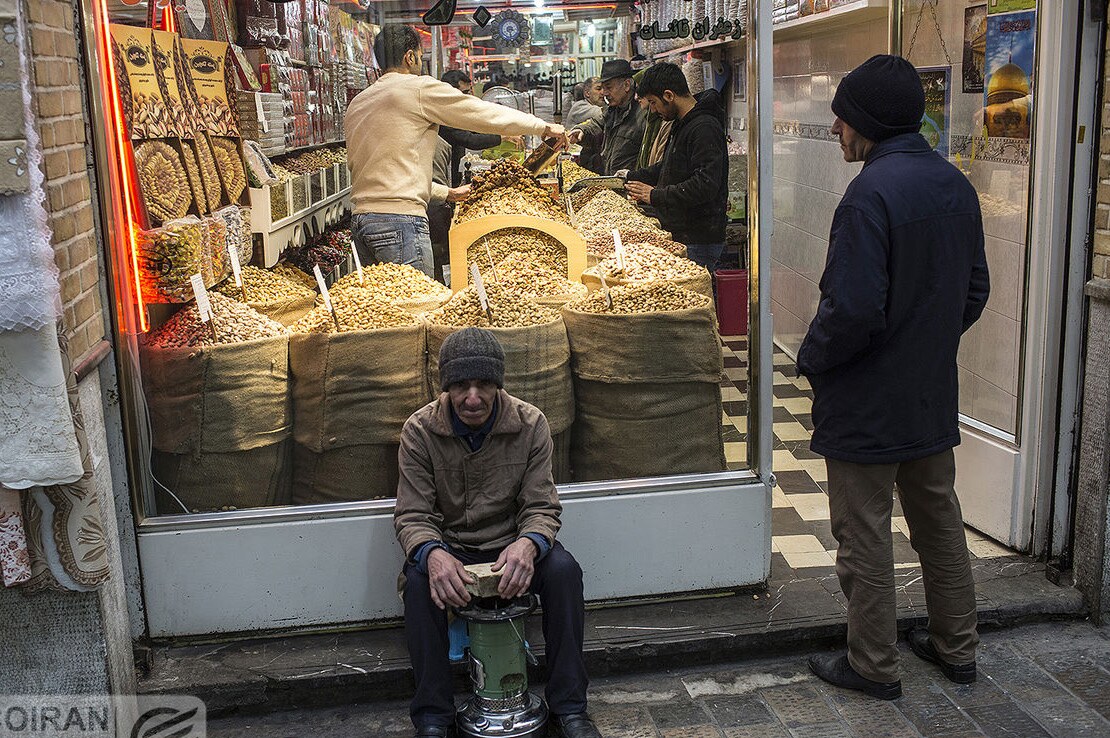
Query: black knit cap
point(472, 353)
point(881, 98)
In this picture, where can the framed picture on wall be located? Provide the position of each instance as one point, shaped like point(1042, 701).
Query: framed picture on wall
point(937, 82)
point(975, 47)
point(1008, 76)
point(739, 80)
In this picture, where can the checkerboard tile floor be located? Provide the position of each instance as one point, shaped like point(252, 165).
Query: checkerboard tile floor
point(801, 535)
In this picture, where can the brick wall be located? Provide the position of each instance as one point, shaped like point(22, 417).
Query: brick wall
point(1100, 262)
point(59, 100)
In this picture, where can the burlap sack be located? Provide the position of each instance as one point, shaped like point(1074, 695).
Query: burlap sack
point(537, 367)
point(286, 312)
point(207, 482)
point(647, 394)
point(347, 474)
point(355, 387)
point(702, 283)
point(218, 399)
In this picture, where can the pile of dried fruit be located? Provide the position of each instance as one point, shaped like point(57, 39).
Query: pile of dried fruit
point(393, 282)
point(264, 286)
point(643, 262)
point(356, 309)
point(162, 178)
point(230, 162)
point(233, 322)
point(646, 297)
point(543, 250)
point(312, 161)
point(518, 272)
point(509, 310)
point(509, 189)
point(329, 249)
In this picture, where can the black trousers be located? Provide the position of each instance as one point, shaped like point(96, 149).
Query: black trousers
point(557, 581)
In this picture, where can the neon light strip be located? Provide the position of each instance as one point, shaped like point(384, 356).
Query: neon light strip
point(124, 155)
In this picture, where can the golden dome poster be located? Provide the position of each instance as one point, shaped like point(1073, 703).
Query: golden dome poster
point(1008, 77)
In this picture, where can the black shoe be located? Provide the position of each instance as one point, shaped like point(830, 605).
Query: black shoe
point(836, 670)
point(435, 731)
point(578, 725)
point(923, 647)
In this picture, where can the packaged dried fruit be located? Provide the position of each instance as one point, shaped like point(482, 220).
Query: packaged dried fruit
point(168, 257)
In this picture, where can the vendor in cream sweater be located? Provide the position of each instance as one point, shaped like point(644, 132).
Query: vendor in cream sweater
point(391, 130)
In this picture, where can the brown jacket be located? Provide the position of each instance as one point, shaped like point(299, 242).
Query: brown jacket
point(475, 500)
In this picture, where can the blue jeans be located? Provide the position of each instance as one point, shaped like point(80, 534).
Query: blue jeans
point(401, 239)
point(705, 254)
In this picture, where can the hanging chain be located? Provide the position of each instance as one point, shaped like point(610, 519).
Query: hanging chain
point(932, 5)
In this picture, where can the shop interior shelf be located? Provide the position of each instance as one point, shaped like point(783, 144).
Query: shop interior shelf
point(831, 20)
point(696, 45)
point(313, 201)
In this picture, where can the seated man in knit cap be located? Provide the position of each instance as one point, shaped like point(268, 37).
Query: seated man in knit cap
point(906, 275)
point(476, 487)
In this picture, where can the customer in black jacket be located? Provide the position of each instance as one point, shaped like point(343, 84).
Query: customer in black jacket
point(689, 188)
point(905, 276)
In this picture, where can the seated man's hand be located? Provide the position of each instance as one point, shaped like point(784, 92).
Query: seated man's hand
point(516, 564)
point(447, 579)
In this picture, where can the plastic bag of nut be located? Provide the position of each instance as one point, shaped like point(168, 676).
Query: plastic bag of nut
point(168, 257)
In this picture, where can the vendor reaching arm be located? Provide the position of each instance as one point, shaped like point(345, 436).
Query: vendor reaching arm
point(391, 129)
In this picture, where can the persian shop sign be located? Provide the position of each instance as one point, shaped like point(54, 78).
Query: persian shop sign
point(702, 30)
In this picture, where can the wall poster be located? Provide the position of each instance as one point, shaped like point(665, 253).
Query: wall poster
point(935, 124)
point(1008, 98)
point(975, 47)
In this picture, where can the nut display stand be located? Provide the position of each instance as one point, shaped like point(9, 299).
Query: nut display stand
point(324, 195)
point(463, 235)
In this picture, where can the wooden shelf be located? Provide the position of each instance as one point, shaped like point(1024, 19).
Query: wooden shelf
point(696, 45)
point(832, 20)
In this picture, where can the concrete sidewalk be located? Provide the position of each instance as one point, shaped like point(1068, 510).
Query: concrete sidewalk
point(1042, 680)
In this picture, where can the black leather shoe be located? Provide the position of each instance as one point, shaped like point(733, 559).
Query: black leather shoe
point(923, 648)
point(836, 670)
point(578, 725)
point(435, 731)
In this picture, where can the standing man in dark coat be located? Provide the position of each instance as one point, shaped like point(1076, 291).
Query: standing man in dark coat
point(906, 275)
point(688, 189)
point(623, 124)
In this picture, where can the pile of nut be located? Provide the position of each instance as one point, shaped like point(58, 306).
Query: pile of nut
point(578, 200)
point(572, 173)
point(509, 189)
point(543, 250)
point(356, 309)
point(643, 262)
point(519, 273)
point(393, 282)
point(643, 297)
point(509, 310)
point(265, 287)
point(292, 273)
point(232, 322)
point(608, 210)
point(313, 161)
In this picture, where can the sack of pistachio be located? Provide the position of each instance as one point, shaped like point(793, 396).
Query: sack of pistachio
point(271, 294)
point(647, 371)
point(352, 390)
point(219, 409)
point(645, 263)
point(537, 356)
point(398, 284)
point(522, 275)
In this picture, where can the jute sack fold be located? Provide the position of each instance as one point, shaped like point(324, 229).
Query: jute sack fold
point(647, 394)
point(286, 312)
point(355, 387)
point(702, 283)
point(204, 482)
point(223, 398)
point(675, 346)
point(537, 367)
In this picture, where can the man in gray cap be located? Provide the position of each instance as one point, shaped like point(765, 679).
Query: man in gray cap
point(624, 121)
point(476, 487)
point(906, 275)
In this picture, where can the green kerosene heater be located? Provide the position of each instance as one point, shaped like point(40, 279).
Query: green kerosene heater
point(498, 656)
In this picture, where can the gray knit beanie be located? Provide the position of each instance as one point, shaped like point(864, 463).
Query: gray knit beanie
point(472, 353)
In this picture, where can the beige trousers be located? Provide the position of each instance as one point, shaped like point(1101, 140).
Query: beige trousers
point(860, 503)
